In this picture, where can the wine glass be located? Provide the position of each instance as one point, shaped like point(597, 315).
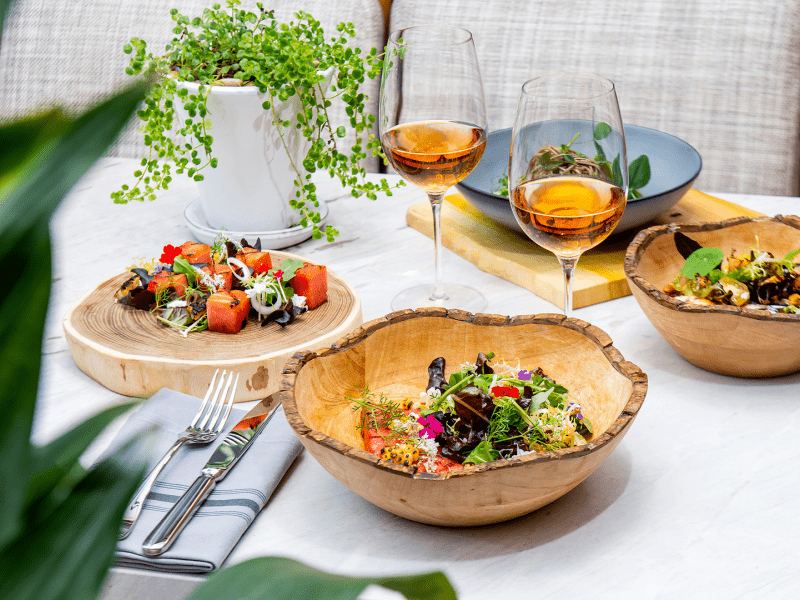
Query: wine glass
point(568, 168)
point(432, 124)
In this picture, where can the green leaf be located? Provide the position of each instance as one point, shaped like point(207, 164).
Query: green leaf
point(601, 155)
point(181, 265)
point(289, 267)
point(639, 173)
point(61, 159)
point(55, 460)
point(538, 399)
point(272, 578)
point(616, 172)
point(482, 453)
point(790, 257)
point(701, 262)
point(602, 131)
point(4, 6)
point(67, 555)
point(41, 158)
point(23, 305)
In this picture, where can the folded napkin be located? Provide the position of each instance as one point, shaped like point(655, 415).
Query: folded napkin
point(217, 526)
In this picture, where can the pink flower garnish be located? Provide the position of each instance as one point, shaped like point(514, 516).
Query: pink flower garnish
point(279, 275)
point(500, 391)
point(524, 375)
point(430, 427)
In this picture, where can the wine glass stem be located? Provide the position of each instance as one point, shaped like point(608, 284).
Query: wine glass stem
point(436, 206)
point(568, 265)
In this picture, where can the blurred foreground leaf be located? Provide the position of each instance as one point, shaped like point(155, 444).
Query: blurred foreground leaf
point(277, 578)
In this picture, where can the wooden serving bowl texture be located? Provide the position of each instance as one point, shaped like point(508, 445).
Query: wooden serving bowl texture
point(723, 339)
point(392, 354)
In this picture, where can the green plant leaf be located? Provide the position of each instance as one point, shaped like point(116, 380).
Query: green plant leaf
point(59, 161)
point(23, 305)
point(54, 153)
point(639, 173)
point(482, 453)
point(601, 155)
point(181, 265)
point(274, 578)
point(616, 173)
point(4, 6)
point(602, 131)
point(67, 555)
point(51, 463)
point(22, 140)
point(701, 262)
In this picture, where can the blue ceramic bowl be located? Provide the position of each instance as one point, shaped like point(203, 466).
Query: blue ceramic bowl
point(674, 165)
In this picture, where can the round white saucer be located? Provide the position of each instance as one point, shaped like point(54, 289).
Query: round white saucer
point(270, 240)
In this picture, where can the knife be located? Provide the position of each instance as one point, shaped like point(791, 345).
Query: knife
point(219, 465)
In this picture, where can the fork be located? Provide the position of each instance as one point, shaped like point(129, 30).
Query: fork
point(208, 423)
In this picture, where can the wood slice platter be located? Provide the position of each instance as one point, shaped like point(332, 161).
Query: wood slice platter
point(509, 254)
point(131, 353)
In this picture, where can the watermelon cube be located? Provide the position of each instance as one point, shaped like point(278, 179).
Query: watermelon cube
point(311, 281)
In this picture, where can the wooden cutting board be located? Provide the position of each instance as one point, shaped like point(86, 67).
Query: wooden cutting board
point(131, 353)
point(509, 254)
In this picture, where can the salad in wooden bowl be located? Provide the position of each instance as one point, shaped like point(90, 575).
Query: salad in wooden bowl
point(725, 295)
point(403, 413)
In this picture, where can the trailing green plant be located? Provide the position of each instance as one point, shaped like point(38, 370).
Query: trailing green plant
point(281, 60)
point(59, 522)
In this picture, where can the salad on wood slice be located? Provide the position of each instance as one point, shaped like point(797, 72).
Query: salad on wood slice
point(479, 414)
point(194, 287)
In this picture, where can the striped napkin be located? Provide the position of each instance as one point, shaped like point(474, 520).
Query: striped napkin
point(227, 513)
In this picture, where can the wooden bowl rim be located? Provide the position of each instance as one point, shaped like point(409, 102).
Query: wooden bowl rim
point(644, 238)
point(629, 370)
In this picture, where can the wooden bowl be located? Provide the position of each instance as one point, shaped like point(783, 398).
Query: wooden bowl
point(392, 355)
point(723, 339)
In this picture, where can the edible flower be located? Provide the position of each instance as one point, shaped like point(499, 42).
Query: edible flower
point(278, 275)
point(169, 254)
point(524, 375)
point(430, 427)
point(500, 391)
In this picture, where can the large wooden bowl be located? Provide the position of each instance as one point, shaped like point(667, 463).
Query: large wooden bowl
point(392, 354)
point(723, 339)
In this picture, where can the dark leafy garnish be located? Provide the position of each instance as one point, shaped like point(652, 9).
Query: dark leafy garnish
point(256, 246)
point(285, 315)
point(685, 244)
point(436, 378)
point(144, 276)
point(473, 405)
point(482, 364)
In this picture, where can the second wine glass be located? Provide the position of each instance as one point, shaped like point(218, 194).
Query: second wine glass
point(568, 168)
point(432, 123)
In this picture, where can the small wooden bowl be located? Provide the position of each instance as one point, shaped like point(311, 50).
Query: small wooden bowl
point(723, 339)
point(392, 355)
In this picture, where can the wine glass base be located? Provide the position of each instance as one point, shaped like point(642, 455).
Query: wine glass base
point(457, 296)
